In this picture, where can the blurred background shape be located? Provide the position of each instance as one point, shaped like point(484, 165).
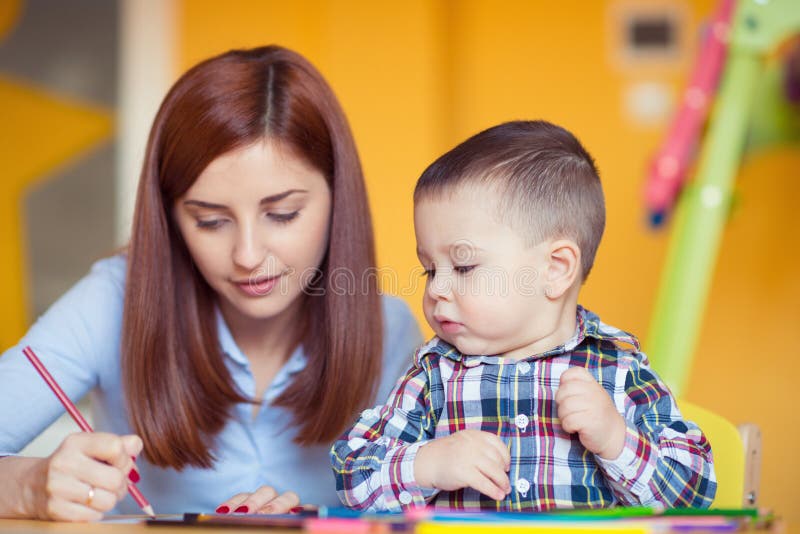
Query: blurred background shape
point(57, 98)
point(415, 78)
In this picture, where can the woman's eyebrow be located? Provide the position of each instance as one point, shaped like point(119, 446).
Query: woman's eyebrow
point(202, 204)
point(281, 196)
point(265, 200)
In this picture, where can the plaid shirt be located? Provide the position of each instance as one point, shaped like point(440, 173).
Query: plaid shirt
point(666, 461)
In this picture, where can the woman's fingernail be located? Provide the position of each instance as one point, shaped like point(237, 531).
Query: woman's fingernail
point(223, 509)
point(242, 510)
point(296, 510)
point(133, 475)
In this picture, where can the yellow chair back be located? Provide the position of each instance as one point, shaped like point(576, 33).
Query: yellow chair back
point(729, 454)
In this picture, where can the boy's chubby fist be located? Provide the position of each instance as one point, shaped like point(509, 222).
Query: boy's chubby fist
point(469, 458)
point(586, 408)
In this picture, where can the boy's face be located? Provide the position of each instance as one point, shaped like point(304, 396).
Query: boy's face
point(485, 287)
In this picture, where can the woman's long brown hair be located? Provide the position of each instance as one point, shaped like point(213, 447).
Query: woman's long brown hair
point(179, 392)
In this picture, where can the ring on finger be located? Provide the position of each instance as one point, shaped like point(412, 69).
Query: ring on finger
point(90, 496)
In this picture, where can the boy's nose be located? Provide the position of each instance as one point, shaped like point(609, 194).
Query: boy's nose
point(440, 287)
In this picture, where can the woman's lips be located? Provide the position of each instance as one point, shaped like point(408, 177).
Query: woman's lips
point(258, 288)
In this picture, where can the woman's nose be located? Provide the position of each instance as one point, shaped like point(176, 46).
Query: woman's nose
point(249, 250)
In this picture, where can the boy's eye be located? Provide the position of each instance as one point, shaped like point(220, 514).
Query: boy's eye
point(283, 217)
point(463, 269)
point(210, 224)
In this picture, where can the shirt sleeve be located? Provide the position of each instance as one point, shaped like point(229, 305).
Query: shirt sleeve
point(373, 462)
point(666, 461)
point(74, 339)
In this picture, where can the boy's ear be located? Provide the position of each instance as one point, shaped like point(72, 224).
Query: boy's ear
point(563, 267)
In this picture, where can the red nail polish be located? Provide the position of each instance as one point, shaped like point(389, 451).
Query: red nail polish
point(223, 509)
point(133, 475)
point(296, 510)
point(241, 510)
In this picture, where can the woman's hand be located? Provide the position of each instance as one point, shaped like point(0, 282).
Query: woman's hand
point(265, 500)
point(86, 476)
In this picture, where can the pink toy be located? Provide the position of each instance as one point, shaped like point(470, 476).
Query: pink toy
point(668, 169)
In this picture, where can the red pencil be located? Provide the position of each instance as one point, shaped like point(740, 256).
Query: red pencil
point(78, 417)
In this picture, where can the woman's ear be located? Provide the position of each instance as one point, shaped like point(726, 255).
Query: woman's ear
point(563, 267)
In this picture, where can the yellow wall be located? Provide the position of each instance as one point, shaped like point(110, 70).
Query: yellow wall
point(9, 14)
point(416, 77)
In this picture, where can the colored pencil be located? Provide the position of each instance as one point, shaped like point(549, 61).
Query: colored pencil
point(79, 419)
point(579, 514)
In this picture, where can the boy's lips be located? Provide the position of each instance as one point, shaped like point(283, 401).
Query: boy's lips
point(448, 326)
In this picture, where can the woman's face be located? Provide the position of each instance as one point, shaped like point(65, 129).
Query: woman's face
point(256, 225)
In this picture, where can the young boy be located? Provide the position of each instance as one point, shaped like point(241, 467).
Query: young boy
point(523, 400)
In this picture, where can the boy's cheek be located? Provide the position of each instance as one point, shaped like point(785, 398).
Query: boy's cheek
point(427, 310)
point(485, 310)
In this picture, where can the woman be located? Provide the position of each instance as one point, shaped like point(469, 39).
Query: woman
point(219, 349)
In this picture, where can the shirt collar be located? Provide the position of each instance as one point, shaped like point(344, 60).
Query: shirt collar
point(588, 325)
point(296, 362)
point(593, 327)
point(226, 341)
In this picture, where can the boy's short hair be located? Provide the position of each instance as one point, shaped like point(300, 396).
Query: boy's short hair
point(547, 183)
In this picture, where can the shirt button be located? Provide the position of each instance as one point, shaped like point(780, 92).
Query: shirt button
point(524, 367)
point(522, 486)
point(522, 421)
point(405, 497)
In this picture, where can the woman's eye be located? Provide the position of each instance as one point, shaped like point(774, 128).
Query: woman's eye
point(283, 217)
point(430, 273)
point(210, 224)
point(463, 269)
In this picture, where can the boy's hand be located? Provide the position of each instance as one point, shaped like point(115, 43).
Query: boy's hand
point(586, 408)
point(470, 458)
